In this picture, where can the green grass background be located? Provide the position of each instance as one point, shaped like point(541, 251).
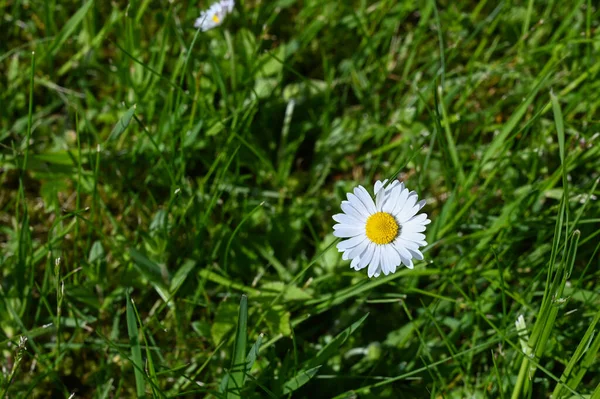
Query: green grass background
point(151, 175)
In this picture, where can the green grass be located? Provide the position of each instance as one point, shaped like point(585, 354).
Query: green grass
point(166, 198)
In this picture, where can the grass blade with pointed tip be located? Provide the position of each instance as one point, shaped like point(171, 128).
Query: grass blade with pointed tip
point(253, 355)
point(560, 126)
point(136, 350)
point(596, 394)
point(238, 364)
point(151, 271)
point(299, 379)
point(69, 27)
point(571, 375)
point(122, 124)
point(104, 391)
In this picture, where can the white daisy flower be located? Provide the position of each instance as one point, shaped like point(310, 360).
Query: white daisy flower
point(383, 233)
point(215, 15)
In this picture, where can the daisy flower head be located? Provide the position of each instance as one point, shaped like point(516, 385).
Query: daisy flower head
point(215, 15)
point(384, 233)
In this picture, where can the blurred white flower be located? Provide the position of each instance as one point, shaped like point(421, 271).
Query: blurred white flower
point(215, 15)
point(383, 233)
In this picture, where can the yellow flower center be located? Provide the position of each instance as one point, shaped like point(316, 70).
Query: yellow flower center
point(215, 18)
point(382, 228)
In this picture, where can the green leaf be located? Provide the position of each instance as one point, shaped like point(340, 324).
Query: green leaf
point(96, 252)
point(224, 321)
point(238, 365)
point(270, 63)
point(136, 350)
point(299, 379)
point(122, 124)
point(159, 221)
point(278, 321)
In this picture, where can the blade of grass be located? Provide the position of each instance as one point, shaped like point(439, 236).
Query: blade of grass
point(238, 365)
point(253, 355)
point(69, 28)
point(136, 350)
point(121, 125)
point(299, 380)
point(586, 347)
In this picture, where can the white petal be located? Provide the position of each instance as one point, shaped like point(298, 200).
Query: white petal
point(350, 210)
point(400, 201)
point(378, 185)
point(360, 258)
point(416, 254)
point(366, 199)
point(408, 263)
point(416, 237)
point(367, 256)
point(338, 226)
point(391, 186)
point(394, 266)
point(410, 203)
point(352, 242)
point(345, 255)
point(384, 259)
point(358, 250)
point(421, 204)
point(345, 218)
point(391, 200)
point(409, 213)
point(374, 265)
point(379, 199)
point(421, 218)
point(413, 227)
point(405, 243)
point(410, 243)
point(394, 257)
point(354, 263)
point(380, 202)
point(391, 259)
point(402, 251)
point(357, 204)
point(228, 4)
point(346, 232)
